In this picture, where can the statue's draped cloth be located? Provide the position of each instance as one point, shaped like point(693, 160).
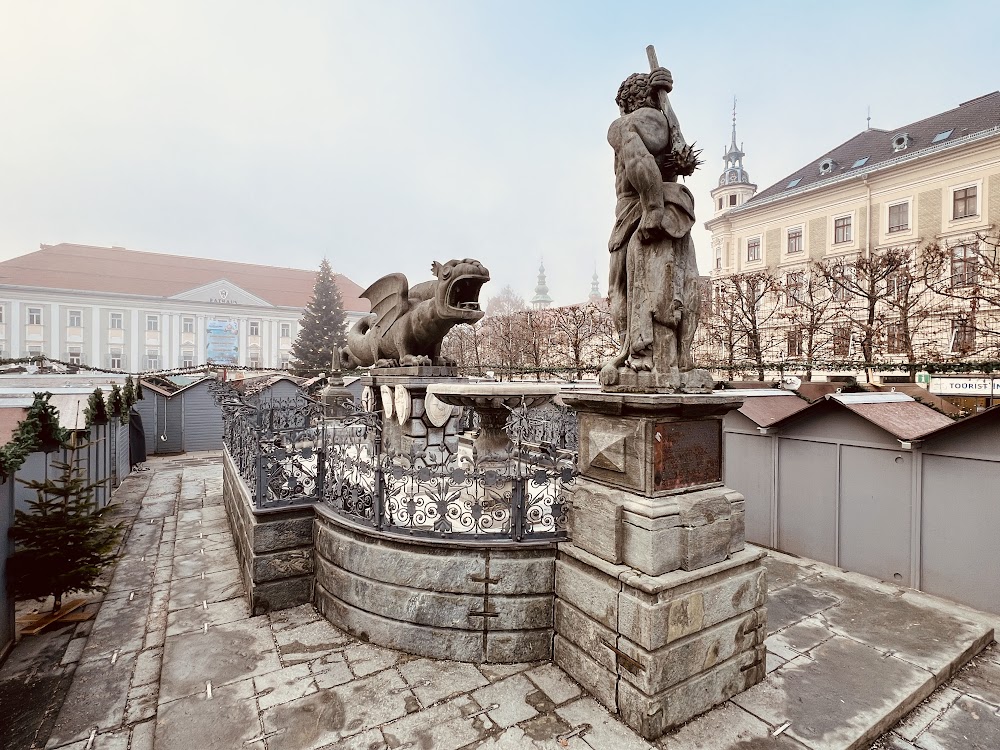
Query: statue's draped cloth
point(648, 281)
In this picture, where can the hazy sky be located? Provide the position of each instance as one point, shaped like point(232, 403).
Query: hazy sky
point(386, 135)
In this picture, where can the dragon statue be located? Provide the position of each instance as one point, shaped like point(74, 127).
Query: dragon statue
point(406, 326)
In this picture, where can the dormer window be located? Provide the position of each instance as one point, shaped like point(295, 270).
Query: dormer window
point(942, 136)
point(900, 141)
point(860, 162)
point(827, 166)
point(794, 182)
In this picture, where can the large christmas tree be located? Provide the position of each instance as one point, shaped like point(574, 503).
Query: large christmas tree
point(322, 328)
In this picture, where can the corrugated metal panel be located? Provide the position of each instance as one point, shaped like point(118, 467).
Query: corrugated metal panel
point(147, 410)
point(169, 425)
point(202, 419)
point(122, 448)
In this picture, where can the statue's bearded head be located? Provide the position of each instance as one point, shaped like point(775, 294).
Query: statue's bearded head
point(635, 93)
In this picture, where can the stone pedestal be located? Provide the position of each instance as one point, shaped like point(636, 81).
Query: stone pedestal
point(408, 424)
point(659, 608)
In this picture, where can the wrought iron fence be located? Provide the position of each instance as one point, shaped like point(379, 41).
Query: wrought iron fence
point(288, 454)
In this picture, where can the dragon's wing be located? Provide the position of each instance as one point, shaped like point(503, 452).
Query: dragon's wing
point(390, 298)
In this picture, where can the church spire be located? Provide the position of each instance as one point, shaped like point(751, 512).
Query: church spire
point(595, 287)
point(541, 298)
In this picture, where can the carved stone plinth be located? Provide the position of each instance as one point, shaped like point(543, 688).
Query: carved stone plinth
point(659, 608)
point(412, 422)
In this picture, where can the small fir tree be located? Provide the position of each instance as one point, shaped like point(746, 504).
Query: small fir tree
point(128, 393)
point(97, 410)
point(39, 430)
point(138, 389)
point(63, 544)
point(116, 405)
point(322, 328)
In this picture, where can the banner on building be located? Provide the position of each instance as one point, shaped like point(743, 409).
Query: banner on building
point(222, 342)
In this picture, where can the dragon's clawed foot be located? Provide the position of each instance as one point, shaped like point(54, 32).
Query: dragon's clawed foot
point(419, 360)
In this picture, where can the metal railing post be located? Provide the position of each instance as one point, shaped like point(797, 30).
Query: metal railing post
point(517, 508)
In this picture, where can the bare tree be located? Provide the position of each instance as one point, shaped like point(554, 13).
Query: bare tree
point(859, 288)
point(578, 332)
point(966, 274)
point(746, 311)
point(809, 311)
point(503, 336)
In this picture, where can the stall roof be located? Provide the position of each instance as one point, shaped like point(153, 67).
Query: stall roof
point(764, 412)
point(983, 418)
point(896, 413)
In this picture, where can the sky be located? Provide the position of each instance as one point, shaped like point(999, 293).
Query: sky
point(387, 134)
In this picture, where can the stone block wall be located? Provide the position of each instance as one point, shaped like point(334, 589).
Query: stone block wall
point(660, 650)
point(442, 600)
point(274, 547)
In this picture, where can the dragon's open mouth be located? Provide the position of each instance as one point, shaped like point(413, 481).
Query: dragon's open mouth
point(464, 292)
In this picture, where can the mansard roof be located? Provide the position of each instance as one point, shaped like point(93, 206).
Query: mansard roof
point(874, 148)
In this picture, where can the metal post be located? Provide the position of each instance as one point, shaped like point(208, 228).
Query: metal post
point(517, 507)
point(259, 460)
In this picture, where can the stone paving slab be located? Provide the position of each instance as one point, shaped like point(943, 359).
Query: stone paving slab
point(849, 655)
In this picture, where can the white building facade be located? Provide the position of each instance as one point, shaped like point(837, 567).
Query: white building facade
point(219, 322)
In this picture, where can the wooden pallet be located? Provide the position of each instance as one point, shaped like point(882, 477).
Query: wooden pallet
point(36, 623)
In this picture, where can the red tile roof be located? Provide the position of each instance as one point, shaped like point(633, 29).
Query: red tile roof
point(116, 270)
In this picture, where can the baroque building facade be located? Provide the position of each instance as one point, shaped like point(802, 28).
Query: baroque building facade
point(927, 189)
point(134, 311)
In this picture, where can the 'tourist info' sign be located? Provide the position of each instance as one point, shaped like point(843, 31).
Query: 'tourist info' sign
point(964, 386)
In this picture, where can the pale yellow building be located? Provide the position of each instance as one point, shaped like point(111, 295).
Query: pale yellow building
point(932, 181)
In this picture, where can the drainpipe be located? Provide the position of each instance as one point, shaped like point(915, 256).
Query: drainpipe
point(868, 215)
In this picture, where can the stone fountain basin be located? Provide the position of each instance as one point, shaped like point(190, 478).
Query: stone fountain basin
point(494, 395)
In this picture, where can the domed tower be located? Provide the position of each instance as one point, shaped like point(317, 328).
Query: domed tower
point(735, 187)
point(541, 299)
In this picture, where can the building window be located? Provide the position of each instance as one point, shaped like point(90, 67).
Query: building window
point(842, 229)
point(115, 359)
point(964, 202)
point(286, 330)
point(718, 257)
point(842, 281)
point(187, 325)
point(2, 320)
point(254, 328)
point(75, 355)
point(254, 360)
point(187, 358)
point(283, 362)
point(795, 240)
point(841, 342)
point(75, 319)
point(34, 316)
point(963, 336)
point(964, 266)
point(34, 351)
point(152, 322)
point(115, 321)
point(894, 339)
point(732, 200)
point(720, 203)
point(897, 284)
point(794, 342)
point(152, 359)
point(793, 287)
point(899, 217)
point(753, 249)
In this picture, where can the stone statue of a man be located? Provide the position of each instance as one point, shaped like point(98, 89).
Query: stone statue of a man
point(653, 283)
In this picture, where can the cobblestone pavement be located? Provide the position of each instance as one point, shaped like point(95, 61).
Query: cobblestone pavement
point(174, 661)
